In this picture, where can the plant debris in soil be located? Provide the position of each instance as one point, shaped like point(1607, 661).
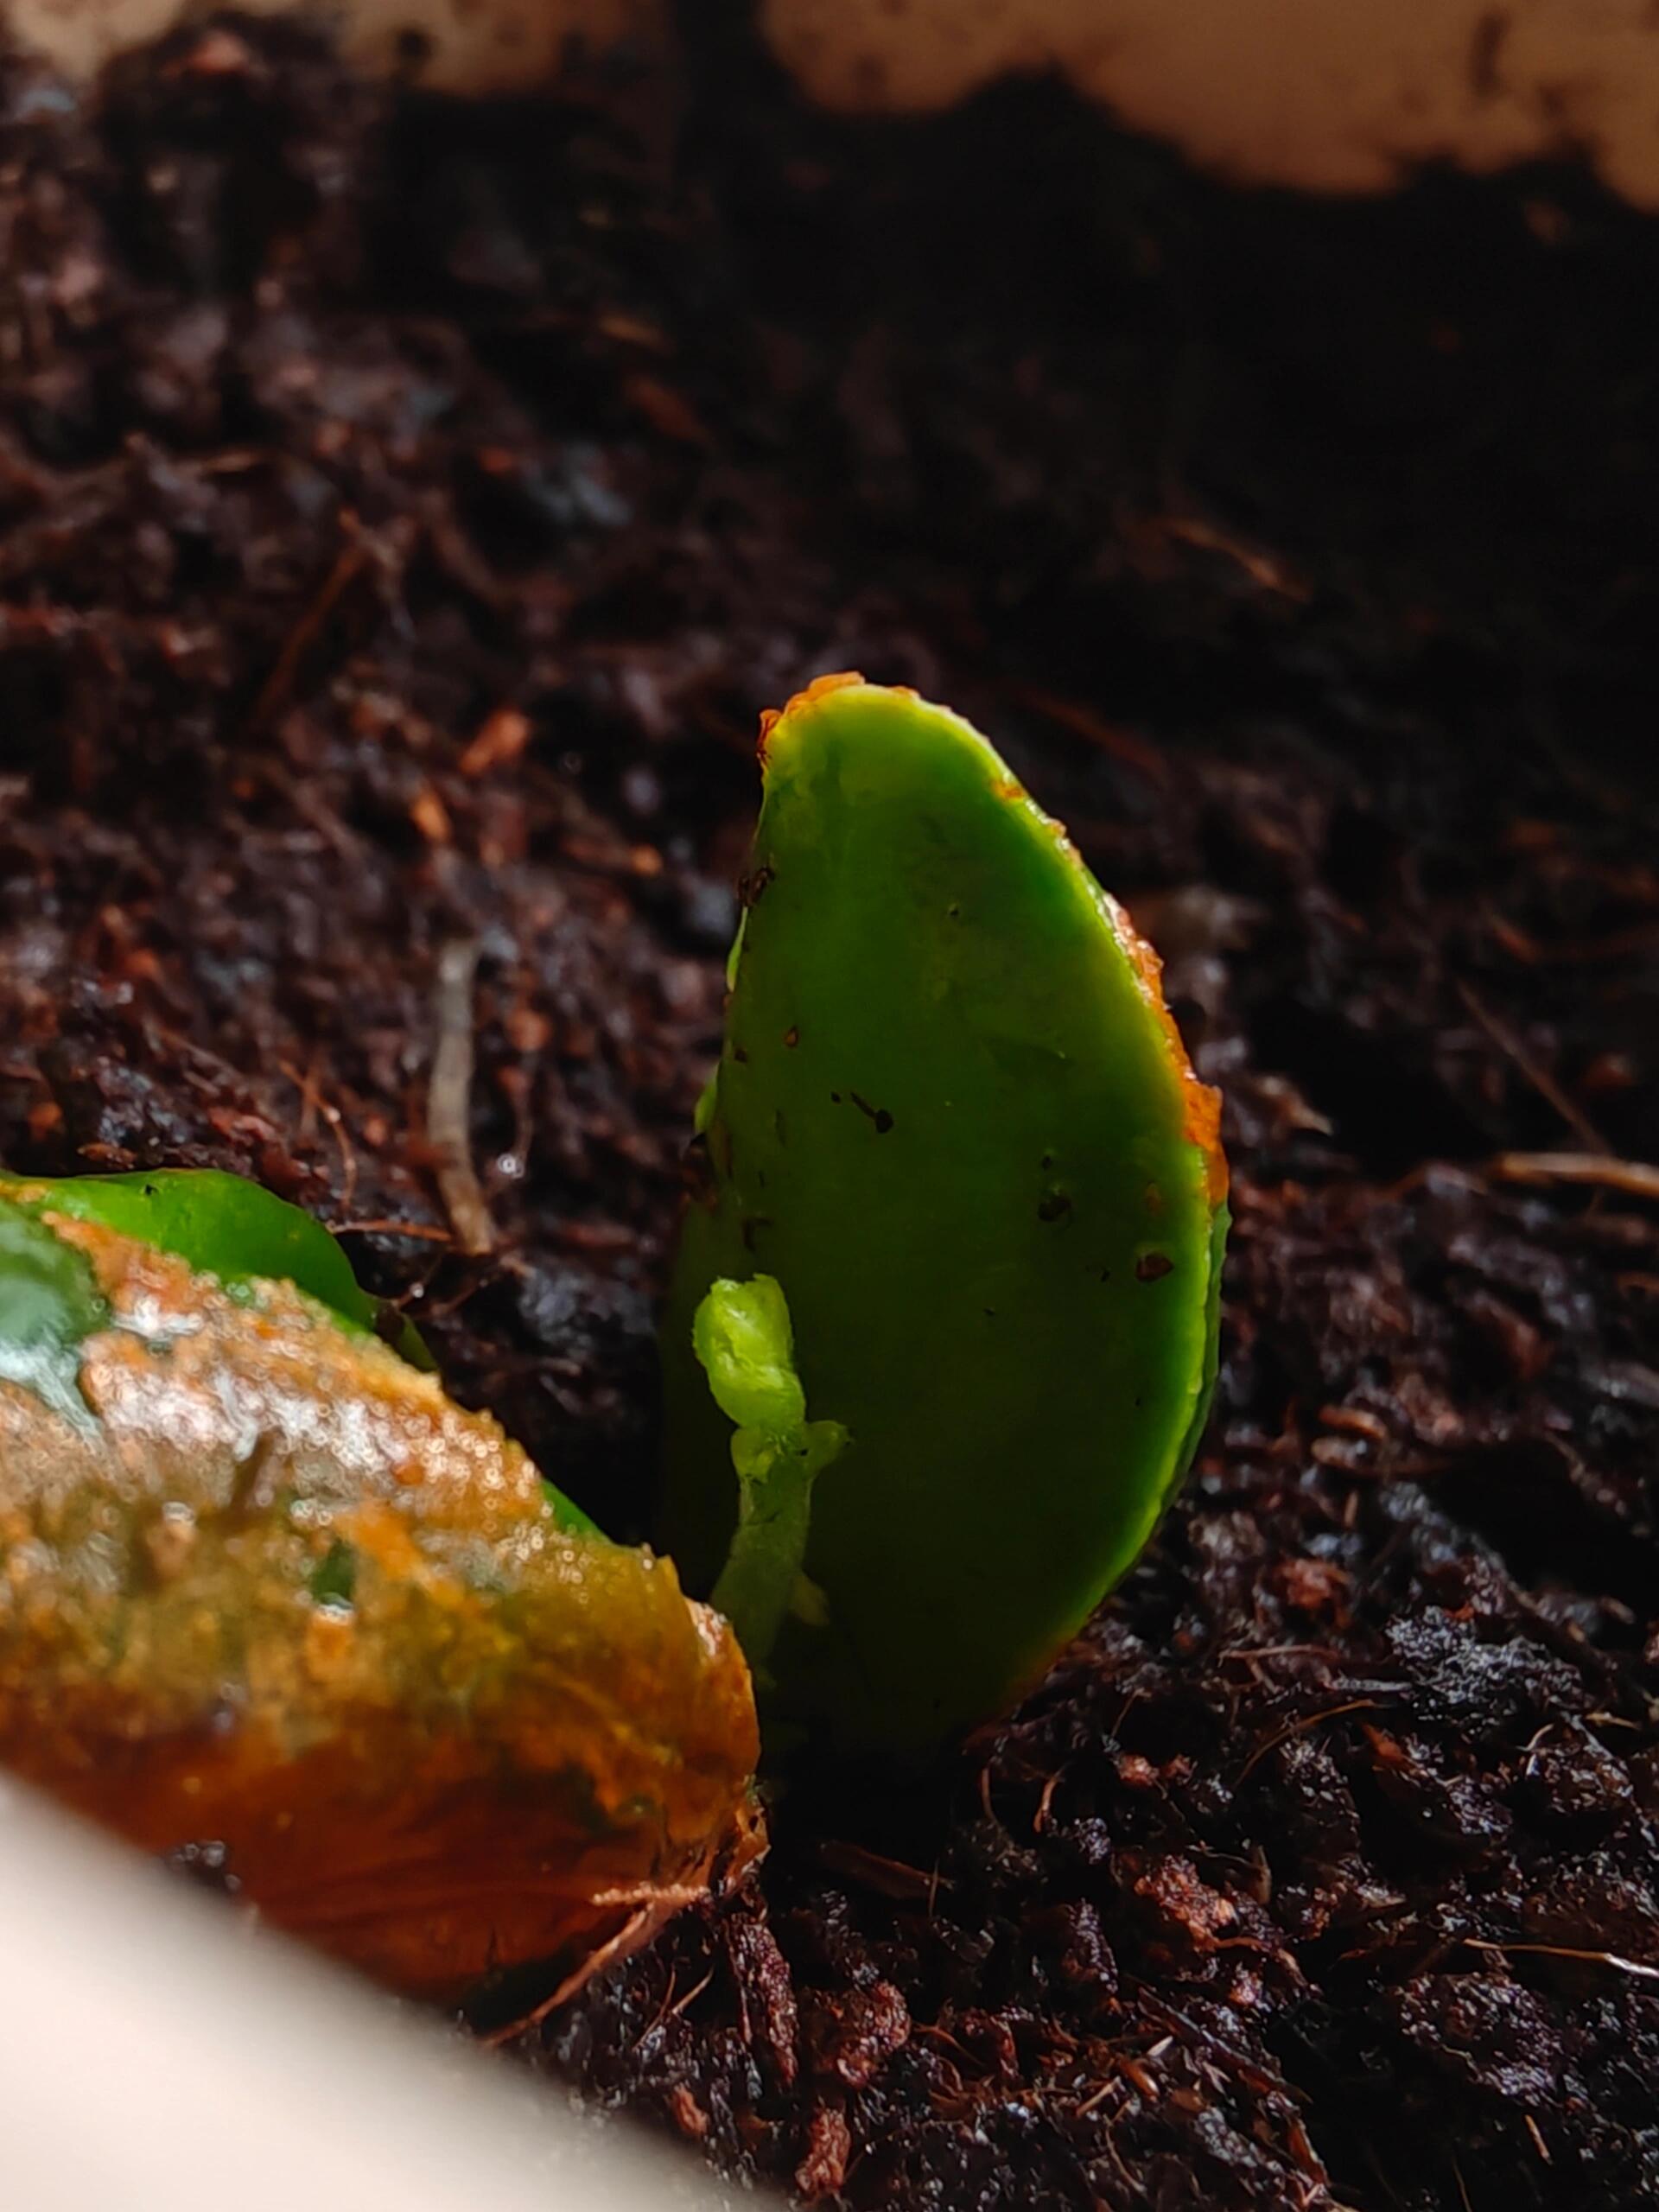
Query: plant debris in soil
point(405, 509)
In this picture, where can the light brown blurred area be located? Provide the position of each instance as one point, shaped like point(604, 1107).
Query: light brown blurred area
point(1336, 95)
point(463, 45)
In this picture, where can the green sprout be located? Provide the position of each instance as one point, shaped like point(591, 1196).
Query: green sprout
point(952, 1115)
point(742, 1338)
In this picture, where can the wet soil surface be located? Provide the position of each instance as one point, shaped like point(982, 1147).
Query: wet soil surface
point(404, 512)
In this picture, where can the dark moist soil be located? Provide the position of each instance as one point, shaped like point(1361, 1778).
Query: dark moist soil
point(405, 511)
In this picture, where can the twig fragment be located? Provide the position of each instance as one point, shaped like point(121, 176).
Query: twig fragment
point(449, 1100)
point(1632, 1967)
point(1599, 1169)
point(1533, 1070)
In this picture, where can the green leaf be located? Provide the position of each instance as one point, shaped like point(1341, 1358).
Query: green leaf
point(235, 1230)
point(954, 1119)
point(222, 1226)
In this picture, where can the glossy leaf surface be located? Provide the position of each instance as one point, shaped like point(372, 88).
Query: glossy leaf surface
point(954, 1120)
point(265, 1586)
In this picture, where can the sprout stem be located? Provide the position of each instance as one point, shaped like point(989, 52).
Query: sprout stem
point(742, 1335)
